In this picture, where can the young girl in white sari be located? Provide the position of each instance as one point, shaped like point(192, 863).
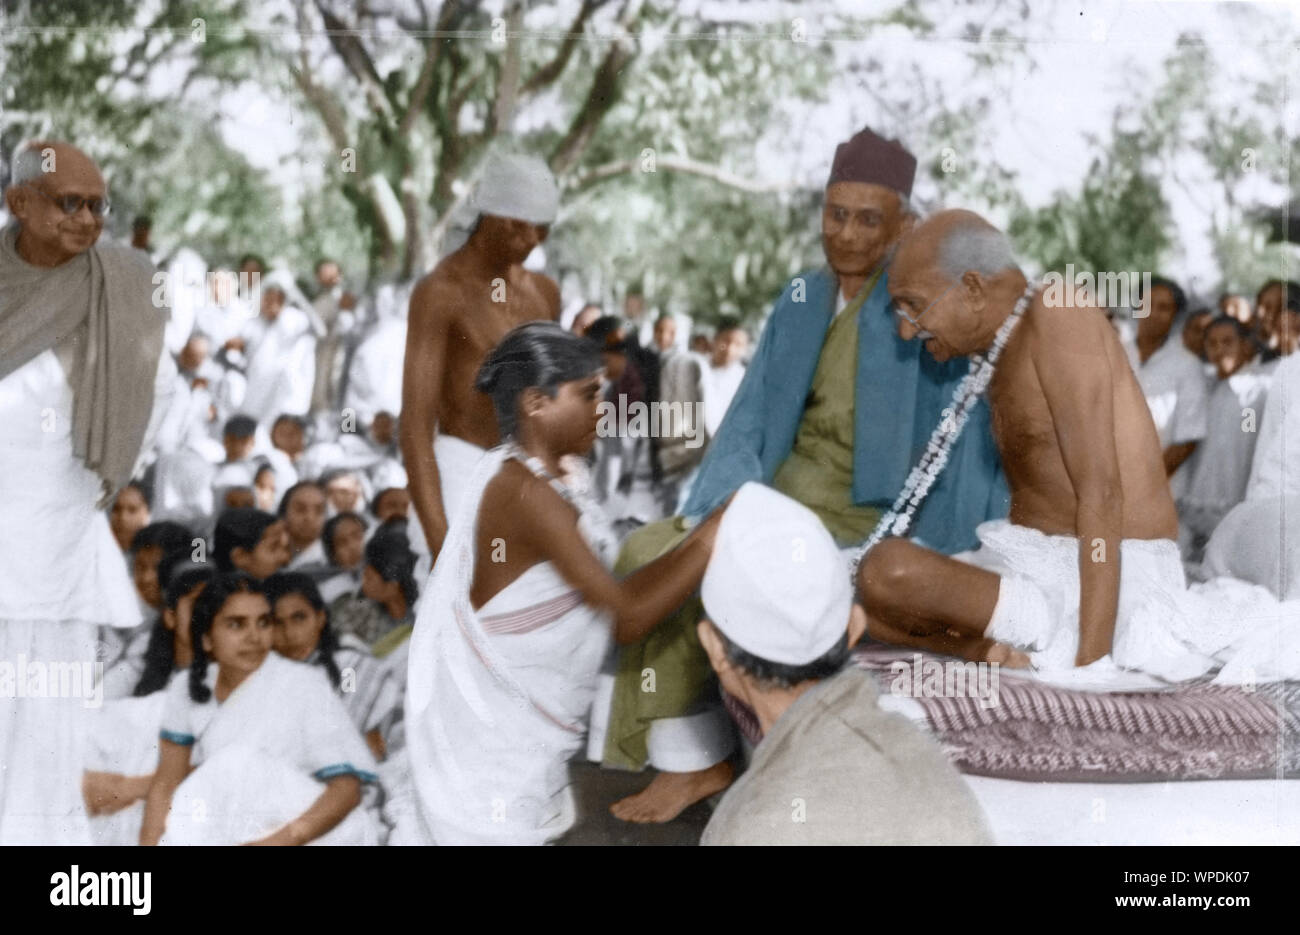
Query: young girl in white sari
point(302, 632)
point(254, 748)
point(521, 608)
point(123, 748)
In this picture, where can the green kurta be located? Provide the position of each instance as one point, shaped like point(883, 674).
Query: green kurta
point(667, 674)
point(819, 471)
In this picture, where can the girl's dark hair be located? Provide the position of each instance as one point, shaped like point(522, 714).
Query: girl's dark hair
point(238, 529)
point(206, 608)
point(1242, 331)
point(288, 494)
point(1290, 293)
point(375, 500)
point(608, 333)
point(389, 553)
point(539, 354)
point(1175, 290)
point(333, 523)
point(170, 537)
point(286, 583)
point(160, 654)
point(240, 426)
point(144, 490)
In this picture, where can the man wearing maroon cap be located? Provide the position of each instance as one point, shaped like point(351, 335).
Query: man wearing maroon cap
point(834, 410)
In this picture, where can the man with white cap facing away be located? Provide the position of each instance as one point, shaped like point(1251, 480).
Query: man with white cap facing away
point(459, 312)
point(832, 768)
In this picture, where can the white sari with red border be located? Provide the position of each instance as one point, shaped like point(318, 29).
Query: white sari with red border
point(498, 700)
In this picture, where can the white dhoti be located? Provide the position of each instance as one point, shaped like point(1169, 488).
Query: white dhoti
point(1259, 541)
point(61, 578)
point(456, 461)
point(1161, 627)
point(44, 722)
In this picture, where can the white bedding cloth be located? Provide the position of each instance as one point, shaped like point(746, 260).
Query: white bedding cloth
point(1227, 811)
point(1231, 811)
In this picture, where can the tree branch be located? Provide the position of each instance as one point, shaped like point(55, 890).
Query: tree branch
point(344, 40)
point(326, 105)
point(424, 82)
point(600, 98)
point(503, 107)
point(548, 73)
point(683, 165)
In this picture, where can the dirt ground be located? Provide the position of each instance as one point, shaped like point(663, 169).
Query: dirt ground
point(596, 789)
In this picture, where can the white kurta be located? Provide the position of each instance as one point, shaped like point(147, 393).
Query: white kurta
point(1220, 466)
point(61, 576)
point(375, 376)
point(1174, 384)
point(719, 386)
point(1276, 468)
point(281, 366)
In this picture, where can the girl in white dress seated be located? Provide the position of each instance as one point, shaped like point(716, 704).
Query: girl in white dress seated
point(521, 607)
point(303, 633)
point(254, 748)
point(123, 748)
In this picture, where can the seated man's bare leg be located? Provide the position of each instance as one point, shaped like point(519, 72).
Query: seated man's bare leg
point(669, 794)
point(920, 598)
point(947, 642)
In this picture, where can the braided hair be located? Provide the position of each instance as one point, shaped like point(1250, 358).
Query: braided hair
point(286, 583)
point(206, 607)
point(389, 553)
point(160, 655)
point(539, 354)
point(238, 529)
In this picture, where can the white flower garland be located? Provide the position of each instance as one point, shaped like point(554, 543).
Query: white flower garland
point(922, 477)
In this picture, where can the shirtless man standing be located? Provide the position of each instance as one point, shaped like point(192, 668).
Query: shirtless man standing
point(459, 312)
point(1092, 522)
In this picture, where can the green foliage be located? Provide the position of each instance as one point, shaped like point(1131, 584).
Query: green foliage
point(697, 93)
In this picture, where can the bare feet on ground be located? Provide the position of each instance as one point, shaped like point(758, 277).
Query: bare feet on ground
point(669, 794)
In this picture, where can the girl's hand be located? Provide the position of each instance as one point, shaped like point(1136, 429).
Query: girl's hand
point(278, 839)
point(291, 835)
point(106, 793)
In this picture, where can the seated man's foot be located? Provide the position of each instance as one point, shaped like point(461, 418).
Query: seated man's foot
point(1007, 656)
point(669, 794)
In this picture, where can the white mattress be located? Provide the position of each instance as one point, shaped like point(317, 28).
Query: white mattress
point(1238, 811)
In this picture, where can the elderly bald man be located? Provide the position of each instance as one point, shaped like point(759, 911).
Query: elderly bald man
point(1089, 541)
point(79, 339)
point(833, 410)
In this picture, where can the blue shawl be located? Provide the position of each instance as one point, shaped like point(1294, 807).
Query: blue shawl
point(901, 394)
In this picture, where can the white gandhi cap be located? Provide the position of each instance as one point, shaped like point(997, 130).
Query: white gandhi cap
point(776, 584)
point(517, 186)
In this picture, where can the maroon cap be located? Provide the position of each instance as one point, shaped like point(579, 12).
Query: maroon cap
point(870, 158)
